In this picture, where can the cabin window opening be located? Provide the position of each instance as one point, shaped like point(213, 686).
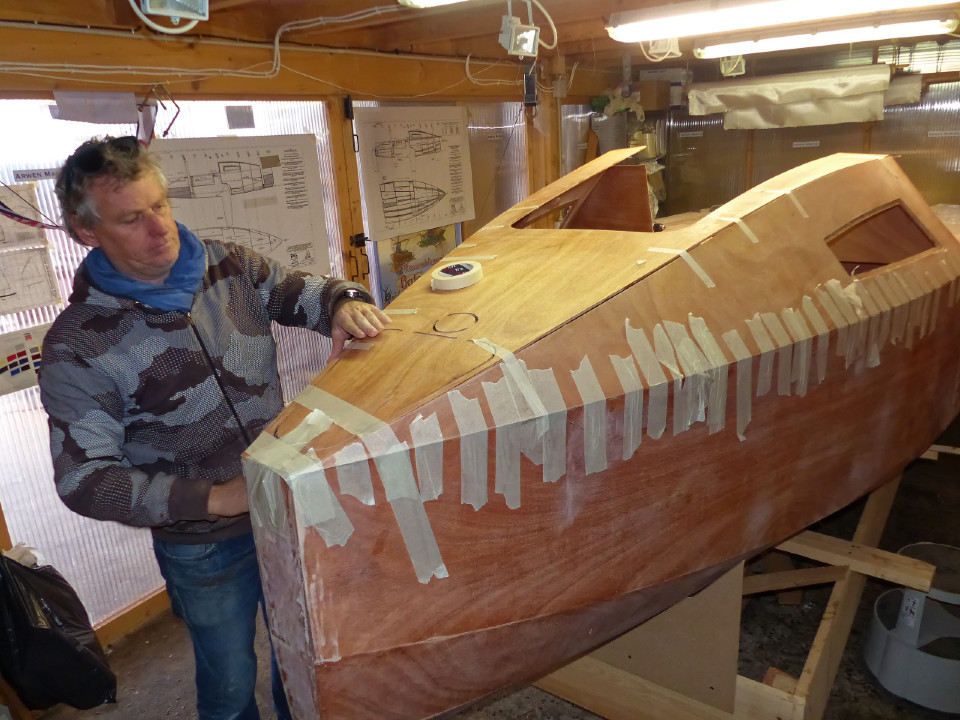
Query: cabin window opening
point(886, 236)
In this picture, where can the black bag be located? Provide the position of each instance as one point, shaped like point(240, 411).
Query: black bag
point(49, 653)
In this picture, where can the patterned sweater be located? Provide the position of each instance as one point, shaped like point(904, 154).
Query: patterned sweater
point(139, 400)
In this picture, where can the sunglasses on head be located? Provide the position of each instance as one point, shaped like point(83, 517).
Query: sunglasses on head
point(90, 159)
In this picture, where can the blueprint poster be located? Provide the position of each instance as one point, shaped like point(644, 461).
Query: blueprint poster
point(27, 279)
point(20, 358)
point(22, 199)
point(414, 168)
point(261, 192)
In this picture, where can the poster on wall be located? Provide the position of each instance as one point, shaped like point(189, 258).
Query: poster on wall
point(261, 192)
point(414, 169)
point(27, 280)
point(21, 199)
point(20, 358)
point(404, 259)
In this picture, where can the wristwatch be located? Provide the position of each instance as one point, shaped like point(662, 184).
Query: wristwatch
point(353, 294)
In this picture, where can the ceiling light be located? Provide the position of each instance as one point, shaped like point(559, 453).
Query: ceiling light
point(824, 37)
point(519, 39)
point(705, 17)
point(189, 9)
point(428, 3)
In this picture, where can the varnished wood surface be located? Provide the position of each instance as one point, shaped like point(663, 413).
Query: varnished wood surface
point(361, 636)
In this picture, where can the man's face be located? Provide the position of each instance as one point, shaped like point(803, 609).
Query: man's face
point(136, 230)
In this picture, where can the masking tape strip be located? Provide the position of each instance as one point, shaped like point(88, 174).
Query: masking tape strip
point(401, 311)
point(264, 495)
point(915, 309)
point(688, 259)
point(665, 354)
point(516, 371)
point(507, 420)
point(891, 292)
point(873, 323)
point(554, 440)
point(947, 279)
point(762, 338)
point(694, 366)
point(467, 245)
point(314, 500)
point(784, 351)
point(392, 459)
point(475, 258)
point(883, 309)
point(594, 417)
point(357, 345)
point(823, 335)
point(803, 347)
point(353, 473)
point(626, 370)
point(744, 359)
point(887, 312)
point(856, 337)
point(836, 317)
point(954, 262)
point(653, 375)
point(935, 303)
point(428, 449)
point(789, 194)
point(743, 226)
point(717, 372)
point(473, 449)
point(315, 423)
point(926, 293)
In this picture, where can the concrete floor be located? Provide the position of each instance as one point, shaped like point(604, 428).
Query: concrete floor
point(155, 664)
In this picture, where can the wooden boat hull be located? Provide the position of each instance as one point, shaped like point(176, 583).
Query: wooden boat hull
point(518, 485)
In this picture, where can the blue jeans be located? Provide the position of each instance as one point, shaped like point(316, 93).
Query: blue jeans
point(215, 588)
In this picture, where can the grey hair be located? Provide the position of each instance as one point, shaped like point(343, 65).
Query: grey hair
point(118, 164)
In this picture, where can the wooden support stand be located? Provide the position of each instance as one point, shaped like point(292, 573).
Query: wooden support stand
point(682, 664)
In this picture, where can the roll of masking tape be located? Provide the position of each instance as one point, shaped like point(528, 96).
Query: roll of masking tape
point(456, 275)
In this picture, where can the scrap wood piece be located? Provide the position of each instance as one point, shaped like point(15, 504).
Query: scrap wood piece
point(862, 559)
point(788, 579)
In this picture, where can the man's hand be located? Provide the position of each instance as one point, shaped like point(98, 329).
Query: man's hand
point(229, 499)
point(355, 319)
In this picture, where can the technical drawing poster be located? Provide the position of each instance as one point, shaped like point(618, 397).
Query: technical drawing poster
point(20, 358)
point(27, 280)
point(415, 168)
point(261, 192)
point(22, 199)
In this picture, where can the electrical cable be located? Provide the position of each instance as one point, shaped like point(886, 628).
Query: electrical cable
point(552, 26)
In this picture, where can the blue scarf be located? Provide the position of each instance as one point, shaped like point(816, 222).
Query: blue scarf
point(176, 292)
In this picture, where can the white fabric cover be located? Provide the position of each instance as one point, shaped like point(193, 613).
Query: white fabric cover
point(799, 99)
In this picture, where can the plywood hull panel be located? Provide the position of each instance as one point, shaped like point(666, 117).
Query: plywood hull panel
point(523, 469)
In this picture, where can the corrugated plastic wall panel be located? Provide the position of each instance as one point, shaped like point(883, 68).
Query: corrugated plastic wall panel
point(780, 149)
point(925, 138)
point(705, 163)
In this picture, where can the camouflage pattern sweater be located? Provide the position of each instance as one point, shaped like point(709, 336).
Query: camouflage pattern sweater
point(139, 400)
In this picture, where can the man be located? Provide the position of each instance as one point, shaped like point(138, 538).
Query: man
point(157, 376)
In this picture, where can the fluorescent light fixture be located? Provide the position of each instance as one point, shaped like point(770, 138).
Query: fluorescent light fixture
point(824, 37)
point(519, 39)
point(428, 3)
point(708, 17)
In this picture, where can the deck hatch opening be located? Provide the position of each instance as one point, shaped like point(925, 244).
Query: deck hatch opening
point(886, 236)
